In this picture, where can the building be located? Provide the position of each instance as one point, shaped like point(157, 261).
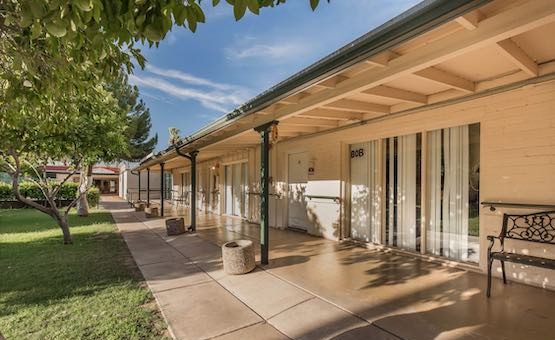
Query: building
point(129, 183)
point(105, 178)
point(416, 137)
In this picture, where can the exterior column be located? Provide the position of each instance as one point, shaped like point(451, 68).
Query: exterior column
point(148, 187)
point(139, 184)
point(193, 159)
point(161, 189)
point(264, 131)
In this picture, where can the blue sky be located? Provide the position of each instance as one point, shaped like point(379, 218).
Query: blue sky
point(192, 79)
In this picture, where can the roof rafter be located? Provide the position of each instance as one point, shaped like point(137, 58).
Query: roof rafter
point(332, 115)
point(445, 78)
point(358, 106)
point(470, 20)
point(514, 53)
point(308, 122)
point(399, 94)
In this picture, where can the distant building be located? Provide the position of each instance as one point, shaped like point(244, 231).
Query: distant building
point(129, 183)
point(105, 178)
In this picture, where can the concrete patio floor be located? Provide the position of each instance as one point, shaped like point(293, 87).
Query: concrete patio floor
point(319, 289)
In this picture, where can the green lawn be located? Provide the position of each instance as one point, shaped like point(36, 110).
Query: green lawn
point(89, 290)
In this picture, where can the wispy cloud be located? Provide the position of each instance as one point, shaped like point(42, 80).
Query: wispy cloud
point(188, 78)
point(249, 49)
point(213, 95)
point(155, 97)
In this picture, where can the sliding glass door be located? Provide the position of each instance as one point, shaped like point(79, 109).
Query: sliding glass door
point(402, 157)
point(453, 192)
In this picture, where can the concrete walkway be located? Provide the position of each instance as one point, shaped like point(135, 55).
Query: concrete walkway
point(319, 289)
point(200, 301)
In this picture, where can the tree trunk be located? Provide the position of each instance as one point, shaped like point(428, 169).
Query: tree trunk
point(84, 184)
point(64, 225)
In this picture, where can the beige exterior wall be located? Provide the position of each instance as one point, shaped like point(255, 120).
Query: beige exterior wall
point(517, 151)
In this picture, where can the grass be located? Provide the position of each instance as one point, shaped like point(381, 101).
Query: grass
point(89, 290)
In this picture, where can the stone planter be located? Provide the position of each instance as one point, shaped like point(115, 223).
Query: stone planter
point(139, 206)
point(175, 226)
point(151, 212)
point(238, 257)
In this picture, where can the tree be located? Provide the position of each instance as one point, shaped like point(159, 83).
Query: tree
point(39, 134)
point(138, 122)
point(55, 58)
point(174, 135)
point(137, 133)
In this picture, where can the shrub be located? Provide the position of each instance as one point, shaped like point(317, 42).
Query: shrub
point(68, 191)
point(6, 193)
point(30, 190)
point(93, 196)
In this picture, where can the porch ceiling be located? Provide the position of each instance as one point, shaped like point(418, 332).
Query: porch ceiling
point(502, 42)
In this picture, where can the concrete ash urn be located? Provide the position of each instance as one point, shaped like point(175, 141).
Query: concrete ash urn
point(139, 206)
point(175, 226)
point(238, 257)
point(151, 212)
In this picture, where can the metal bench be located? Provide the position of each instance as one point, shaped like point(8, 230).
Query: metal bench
point(538, 227)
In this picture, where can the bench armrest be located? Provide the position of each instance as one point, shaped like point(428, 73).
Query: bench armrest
point(491, 240)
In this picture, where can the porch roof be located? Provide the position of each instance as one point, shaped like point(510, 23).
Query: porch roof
point(434, 54)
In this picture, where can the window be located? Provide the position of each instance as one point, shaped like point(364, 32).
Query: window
point(453, 178)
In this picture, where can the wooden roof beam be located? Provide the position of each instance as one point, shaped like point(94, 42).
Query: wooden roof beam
point(358, 106)
point(382, 59)
point(308, 122)
point(289, 128)
point(399, 94)
point(332, 82)
point(470, 20)
point(294, 99)
point(515, 54)
point(445, 78)
point(332, 115)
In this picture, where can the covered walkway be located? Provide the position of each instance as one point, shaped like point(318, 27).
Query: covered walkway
point(315, 288)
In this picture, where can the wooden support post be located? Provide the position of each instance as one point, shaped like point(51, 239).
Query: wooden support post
point(264, 131)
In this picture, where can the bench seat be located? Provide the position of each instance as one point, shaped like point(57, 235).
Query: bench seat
point(537, 227)
point(524, 259)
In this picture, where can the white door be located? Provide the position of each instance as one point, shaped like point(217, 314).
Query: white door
point(298, 179)
point(228, 190)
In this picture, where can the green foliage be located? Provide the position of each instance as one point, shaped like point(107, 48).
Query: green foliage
point(6, 193)
point(138, 120)
point(68, 191)
point(174, 135)
point(93, 197)
point(31, 191)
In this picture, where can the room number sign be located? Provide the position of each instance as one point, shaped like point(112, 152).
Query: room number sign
point(357, 153)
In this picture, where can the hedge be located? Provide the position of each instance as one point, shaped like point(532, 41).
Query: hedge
point(30, 190)
point(5, 192)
